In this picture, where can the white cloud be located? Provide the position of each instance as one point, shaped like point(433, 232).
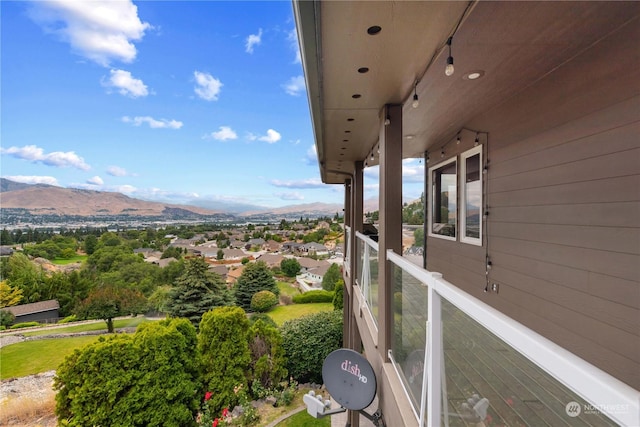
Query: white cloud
point(96, 180)
point(290, 196)
point(253, 40)
point(125, 189)
point(295, 46)
point(271, 137)
point(295, 86)
point(99, 30)
point(34, 179)
point(125, 84)
point(225, 133)
point(36, 154)
point(208, 87)
point(153, 123)
point(312, 155)
point(116, 171)
point(300, 184)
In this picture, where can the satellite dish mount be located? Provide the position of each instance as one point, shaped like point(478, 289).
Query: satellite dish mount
point(350, 380)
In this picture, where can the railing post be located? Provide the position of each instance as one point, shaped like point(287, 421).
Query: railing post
point(435, 362)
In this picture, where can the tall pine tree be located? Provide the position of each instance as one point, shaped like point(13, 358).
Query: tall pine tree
point(256, 277)
point(197, 291)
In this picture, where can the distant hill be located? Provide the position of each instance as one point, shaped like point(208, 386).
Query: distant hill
point(26, 202)
point(43, 199)
point(307, 210)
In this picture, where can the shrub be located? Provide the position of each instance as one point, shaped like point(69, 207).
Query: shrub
point(6, 318)
point(146, 379)
point(338, 297)
point(24, 325)
point(69, 319)
point(263, 317)
point(313, 297)
point(263, 301)
point(224, 351)
point(307, 341)
point(290, 266)
point(267, 355)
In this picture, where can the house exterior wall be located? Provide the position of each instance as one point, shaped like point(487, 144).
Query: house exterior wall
point(42, 317)
point(563, 230)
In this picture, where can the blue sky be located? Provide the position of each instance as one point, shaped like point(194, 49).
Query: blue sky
point(187, 102)
point(199, 102)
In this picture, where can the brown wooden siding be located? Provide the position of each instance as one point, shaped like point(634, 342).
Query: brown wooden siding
point(564, 231)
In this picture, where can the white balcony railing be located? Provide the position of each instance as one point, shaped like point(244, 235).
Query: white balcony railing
point(347, 250)
point(367, 274)
point(462, 361)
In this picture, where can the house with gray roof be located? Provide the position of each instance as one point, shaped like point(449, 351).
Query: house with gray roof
point(42, 311)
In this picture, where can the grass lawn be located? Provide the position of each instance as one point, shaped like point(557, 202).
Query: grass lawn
point(288, 289)
point(282, 313)
point(65, 261)
point(32, 357)
point(303, 419)
point(84, 327)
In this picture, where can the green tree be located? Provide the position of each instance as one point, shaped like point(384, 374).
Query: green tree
point(256, 277)
point(23, 274)
point(220, 254)
point(308, 340)
point(224, 352)
point(338, 296)
point(418, 236)
point(90, 243)
point(172, 252)
point(290, 267)
point(150, 378)
point(197, 291)
point(5, 237)
point(331, 277)
point(9, 295)
point(267, 354)
point(107, 302)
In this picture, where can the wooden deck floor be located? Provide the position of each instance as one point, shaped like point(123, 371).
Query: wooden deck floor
point(519, 393)
point(479, 365)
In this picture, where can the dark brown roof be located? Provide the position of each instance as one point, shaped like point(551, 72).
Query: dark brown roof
point(35, 307)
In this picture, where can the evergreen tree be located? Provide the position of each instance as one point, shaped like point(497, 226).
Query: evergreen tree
point(331, 277)
point(197, 291)
point(225, 356)
point(256, 277)
point(267, 354)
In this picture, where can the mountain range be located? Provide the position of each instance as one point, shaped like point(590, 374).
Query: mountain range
point(48, 200)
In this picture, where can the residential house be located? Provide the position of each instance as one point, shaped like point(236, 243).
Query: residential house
point(233, 254)
point(162, 263)
point(524, 118)
point(221, 270)
point(272, 260)
point(291, 247)
point(272, 246)
point(43, 311)
point(234, 274)
point(314, 248)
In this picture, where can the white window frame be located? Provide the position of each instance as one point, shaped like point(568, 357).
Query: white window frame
point(463, 197)
point(432, 199)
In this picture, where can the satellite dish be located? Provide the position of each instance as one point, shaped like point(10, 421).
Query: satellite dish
point(349, 378)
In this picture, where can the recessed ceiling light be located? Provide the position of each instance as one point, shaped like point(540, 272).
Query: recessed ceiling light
point(363, 70)
point(473, 75)
point(356, 96)
point(409, 136)
point(373, 30)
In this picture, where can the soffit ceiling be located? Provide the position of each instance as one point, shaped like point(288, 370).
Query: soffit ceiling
point(513, 44)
